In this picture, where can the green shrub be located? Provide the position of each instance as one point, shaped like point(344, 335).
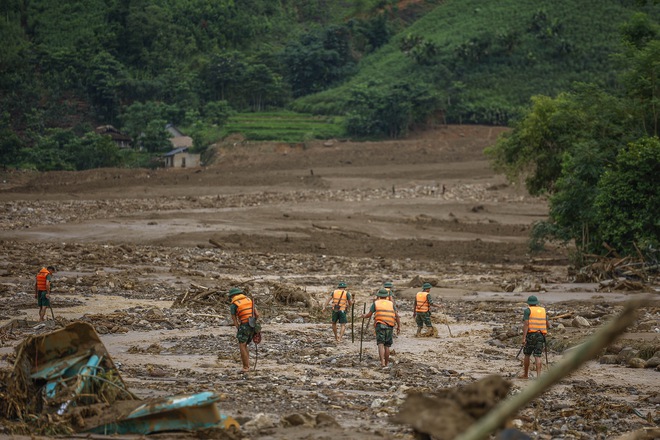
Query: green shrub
point(628, 201)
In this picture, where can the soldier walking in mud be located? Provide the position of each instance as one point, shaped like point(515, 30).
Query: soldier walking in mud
point(341, 300)
point(422, 313)
point(389, 287)
point(535, 327)
point(242, 312)
point(42, 287)
point(386, 317)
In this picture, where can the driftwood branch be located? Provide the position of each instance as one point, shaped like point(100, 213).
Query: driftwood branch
point(216, 243)
point(565, 315)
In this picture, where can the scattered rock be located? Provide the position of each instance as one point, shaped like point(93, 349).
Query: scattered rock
point(636, 362)
point(580, 322)
point(261, 422)
point(653, 362)
point(609, 359)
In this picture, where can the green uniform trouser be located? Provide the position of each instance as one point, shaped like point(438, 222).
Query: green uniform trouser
point(42, 301)
point(244, 333)
point(423, 318)
point(534, 344)
point(339, 315)
point(384, 334)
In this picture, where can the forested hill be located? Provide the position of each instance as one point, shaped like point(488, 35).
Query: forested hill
point(384, 65)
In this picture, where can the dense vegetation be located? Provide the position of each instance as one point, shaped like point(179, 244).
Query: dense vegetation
point(139, 64)
point(481, 62)
point(584, 101)
point(597, 154)
point(381, 66)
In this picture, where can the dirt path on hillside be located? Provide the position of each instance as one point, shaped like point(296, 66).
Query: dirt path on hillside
point(287, 223)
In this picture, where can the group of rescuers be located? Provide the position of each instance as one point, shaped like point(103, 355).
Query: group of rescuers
point(386, 318)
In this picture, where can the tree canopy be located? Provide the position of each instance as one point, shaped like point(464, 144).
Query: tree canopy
point(596, 155)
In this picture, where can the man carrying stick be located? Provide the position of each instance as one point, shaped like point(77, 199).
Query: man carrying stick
point(341, 299)
point(422, 312)
point(535, 327)
point(386, 317)
point(42, 287)
point(242, 311)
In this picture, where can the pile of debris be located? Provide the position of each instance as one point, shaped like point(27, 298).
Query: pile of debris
point(616, 273)
point(67, 382)
point(198, 296)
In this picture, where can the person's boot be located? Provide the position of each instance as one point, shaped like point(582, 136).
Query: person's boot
point(419, 332)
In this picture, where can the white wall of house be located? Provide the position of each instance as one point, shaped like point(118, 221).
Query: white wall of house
point(183, 160)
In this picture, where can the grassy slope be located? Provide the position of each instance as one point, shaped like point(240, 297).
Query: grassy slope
point(591, 27)
point(284, 126)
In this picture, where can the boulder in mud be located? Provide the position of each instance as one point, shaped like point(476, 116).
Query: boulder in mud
point(609, 359)
point(653, 362)
point(580, 322)
point(450, 411)
point(636, 362)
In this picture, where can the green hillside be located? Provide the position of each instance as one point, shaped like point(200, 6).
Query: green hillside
point(489, 58)
point(370, 68)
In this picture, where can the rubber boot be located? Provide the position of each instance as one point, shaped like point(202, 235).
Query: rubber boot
point(419, 332)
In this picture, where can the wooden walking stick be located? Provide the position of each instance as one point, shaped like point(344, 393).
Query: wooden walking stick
point(448, 328)
point(51, 307)
point(353, 322)
point(362, 330)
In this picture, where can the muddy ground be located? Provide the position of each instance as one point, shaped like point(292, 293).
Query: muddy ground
point(147, 255)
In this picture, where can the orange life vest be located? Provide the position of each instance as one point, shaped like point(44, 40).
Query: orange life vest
point(339, 298)
point(42, 281)
point(385, 313)
point(244, 307)
point(537, 320)
point(422, 302)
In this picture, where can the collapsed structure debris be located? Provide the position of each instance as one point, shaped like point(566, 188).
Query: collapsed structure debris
point(68, 376)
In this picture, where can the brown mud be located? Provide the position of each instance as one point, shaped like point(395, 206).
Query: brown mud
point(147, 255)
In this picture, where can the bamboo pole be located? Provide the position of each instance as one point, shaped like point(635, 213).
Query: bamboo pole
point(568, 364)
point(362, 330)
point(353, 322)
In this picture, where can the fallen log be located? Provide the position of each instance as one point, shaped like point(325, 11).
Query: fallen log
point(562, 316)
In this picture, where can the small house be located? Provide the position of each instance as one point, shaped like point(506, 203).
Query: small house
point(120, 139)
point(178, 139)
point(181, 158)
